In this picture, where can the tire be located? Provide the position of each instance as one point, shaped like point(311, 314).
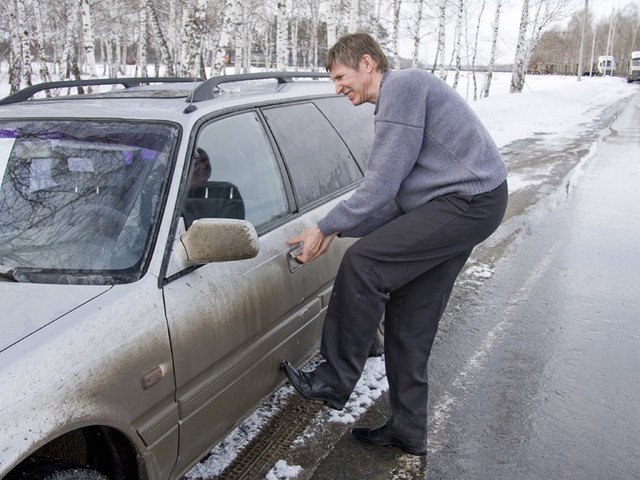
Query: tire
point(40, 468)
point(377, 347)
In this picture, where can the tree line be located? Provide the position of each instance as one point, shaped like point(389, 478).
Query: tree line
point(63, 39)
point(616, 35)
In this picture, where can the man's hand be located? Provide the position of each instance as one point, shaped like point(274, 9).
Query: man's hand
point(315, 243)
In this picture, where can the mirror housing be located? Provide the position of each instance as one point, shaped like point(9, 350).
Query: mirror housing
point(219, 240)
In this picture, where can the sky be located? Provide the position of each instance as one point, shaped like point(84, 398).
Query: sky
point(508, 117)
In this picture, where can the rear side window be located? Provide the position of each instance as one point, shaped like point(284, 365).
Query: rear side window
point(319, 162)
point(354, 124)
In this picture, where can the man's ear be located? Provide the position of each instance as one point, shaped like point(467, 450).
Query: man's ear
point(368, 63)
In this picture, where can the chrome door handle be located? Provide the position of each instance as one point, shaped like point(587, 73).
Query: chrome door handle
point(294, 264)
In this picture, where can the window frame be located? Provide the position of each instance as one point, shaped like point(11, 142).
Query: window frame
point(336, 193)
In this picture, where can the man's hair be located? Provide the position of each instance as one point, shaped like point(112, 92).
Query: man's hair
point(350, 48)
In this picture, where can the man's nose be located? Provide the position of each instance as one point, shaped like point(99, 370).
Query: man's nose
point(338, 88)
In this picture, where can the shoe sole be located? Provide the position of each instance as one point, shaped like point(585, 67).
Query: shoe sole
point(401, 446)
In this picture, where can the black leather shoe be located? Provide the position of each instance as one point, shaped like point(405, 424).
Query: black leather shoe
point(310, 386)
point(379, 437)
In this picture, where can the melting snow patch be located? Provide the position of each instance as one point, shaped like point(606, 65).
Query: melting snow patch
point(283, 471)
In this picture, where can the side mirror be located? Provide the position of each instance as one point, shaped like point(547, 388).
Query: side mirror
point(219, 240)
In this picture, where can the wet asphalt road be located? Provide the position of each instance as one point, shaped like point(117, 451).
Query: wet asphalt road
point(536, 375)
point(535, 372)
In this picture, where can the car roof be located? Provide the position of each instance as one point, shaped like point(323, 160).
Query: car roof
point(158, 98)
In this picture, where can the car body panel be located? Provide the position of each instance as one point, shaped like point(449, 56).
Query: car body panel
point(81, 369)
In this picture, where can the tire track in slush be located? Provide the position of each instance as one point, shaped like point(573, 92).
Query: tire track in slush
point(450, 398)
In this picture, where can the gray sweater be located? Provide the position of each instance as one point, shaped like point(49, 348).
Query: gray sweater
point(427, 143)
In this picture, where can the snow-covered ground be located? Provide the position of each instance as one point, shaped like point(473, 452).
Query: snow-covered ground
point(552, 108)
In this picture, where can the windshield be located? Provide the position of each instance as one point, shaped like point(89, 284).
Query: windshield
point(80, 197)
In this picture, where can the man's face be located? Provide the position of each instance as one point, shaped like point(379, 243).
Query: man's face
point(355, 84)
point(201, 170)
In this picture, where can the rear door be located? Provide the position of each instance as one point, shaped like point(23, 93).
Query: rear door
point(232, 323)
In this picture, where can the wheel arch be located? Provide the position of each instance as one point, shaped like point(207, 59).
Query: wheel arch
point(102, 448)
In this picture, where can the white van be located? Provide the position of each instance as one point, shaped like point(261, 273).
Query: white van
point(634, 67)
point(606, 65)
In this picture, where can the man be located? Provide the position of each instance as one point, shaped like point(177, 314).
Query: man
point(435, 186)
point(209, 199)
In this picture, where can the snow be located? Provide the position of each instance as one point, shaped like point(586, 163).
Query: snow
point(551, 108)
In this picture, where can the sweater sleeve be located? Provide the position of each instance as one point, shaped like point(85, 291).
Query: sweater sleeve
point(397, 142)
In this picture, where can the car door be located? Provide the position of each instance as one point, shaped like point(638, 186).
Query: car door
point(232, 323)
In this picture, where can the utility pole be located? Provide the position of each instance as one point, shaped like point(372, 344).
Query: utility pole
point(584, 24)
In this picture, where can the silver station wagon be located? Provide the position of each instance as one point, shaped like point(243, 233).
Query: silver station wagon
point(147, 291)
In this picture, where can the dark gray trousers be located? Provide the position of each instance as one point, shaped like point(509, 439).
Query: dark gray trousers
point(405, 269)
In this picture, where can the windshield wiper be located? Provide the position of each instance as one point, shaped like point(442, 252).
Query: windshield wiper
point(7, 272)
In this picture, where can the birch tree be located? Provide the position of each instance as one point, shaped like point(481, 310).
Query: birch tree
point(353, 16)
point(68, 56)
point(282, 35)
point(494, 48)
point(222, 46)
point(416, 35)
point(519, 62)
point(438, 63)
point(332, 23)
point(192, 37)
point(475, 51)
point(458, 45)
point(142, 39)
point(25, 46)
point(396, 5)
point(158, 35)
point(89, 43)
point(40, 45)
point(15, 56)
point(547, 12)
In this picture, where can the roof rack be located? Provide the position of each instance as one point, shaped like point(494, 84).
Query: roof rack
point(29, 92)
point(206, 89)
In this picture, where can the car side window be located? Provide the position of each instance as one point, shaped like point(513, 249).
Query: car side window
point(354, 124)
point(319, 162)
point(235, 174)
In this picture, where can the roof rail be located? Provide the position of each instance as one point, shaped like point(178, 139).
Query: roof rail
point(206, 89)
point(126, 82)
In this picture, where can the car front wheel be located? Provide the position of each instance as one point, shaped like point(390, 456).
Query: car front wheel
point(41, 468)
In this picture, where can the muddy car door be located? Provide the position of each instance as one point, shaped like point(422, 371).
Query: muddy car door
point(232, 322)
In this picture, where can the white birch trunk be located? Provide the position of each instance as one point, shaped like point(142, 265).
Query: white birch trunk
point(25, 41)
point(475, 52)
point(281, 36)
point(238, 17)
point(42, 54)
point(159, 36)
point(438, 63)
point(353, 16)
point(222, 48)
point(295, 29)
point(417, 36)
point(519, 63)
point(396, 32)
point(142, 40)
point(72, 20)
point(332, 24)
point(15, 56)
point(494, 48)
point(188, 50)
point(89, 43)
point(458, 59)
